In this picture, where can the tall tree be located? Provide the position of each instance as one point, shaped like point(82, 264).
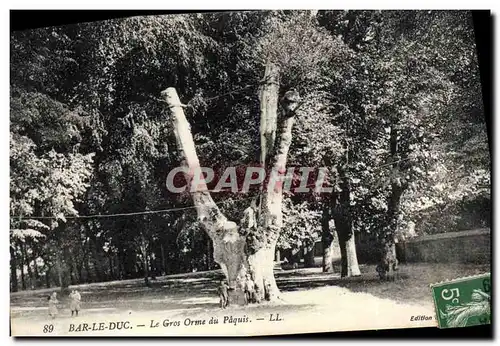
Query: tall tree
point(289, 62)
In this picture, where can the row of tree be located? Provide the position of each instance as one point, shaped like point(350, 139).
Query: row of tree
point(390, 102)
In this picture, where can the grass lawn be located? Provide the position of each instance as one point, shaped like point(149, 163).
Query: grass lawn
point(411, 286)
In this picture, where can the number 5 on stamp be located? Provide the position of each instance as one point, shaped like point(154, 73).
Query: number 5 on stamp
point(463, 302)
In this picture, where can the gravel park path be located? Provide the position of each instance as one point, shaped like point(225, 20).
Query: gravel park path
point(186, 304)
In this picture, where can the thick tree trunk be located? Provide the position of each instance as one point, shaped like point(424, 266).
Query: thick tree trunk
point(80, 273)
point(35, 269)
point(268, 97)
point(66, 269)
point(59, 271)
point(90, 277)
point(71, 270)
point(79, 263)
point(146, 273)
point(98, 267)
point(349, 258)
point(47, 276)
point(352, 258)
point(27, 259)
point(327, 239)
point(309, 258)
point(229, 253)
point(229, 245)
point(122, 264)
point(111, 267)
point(118, 267)
point(270, 216)
point(144, 256)
point(238, 252)
point(343, 255)
point(262, 243)
point(13, 269)
point(388, 264)
point(153, 263)
point(328, 266)
point(163, 260)
point(23, 280)
point(261, 266)
point(63, 272)
point(208, 253)
point(343, 224)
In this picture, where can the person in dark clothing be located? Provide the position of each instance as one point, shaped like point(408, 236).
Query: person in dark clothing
point(249, 288)
point(222, 290)
point(267, 290)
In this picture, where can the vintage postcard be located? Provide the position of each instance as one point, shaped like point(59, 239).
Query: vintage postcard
point(246, 173)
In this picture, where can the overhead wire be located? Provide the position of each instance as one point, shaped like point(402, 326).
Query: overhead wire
point(147, 212)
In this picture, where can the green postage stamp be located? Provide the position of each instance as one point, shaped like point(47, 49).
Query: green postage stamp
point(463, 302)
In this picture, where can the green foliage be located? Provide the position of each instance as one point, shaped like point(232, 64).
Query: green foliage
point(404, 80)
point(302, 50)
point(301, 225)
point(49, 183)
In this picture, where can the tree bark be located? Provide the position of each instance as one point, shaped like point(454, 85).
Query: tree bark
point(229, 245)
point(23, 280)
point(309, 256)
point(80, 261)
point(327, 238)
point(352, 258)
point(87, 269)
point(59, 271)
point(80, 273)
point(47, 276)
point(343, 224)
point(261, 241)
point(13, 269)
point(263, 245)
point(146, 272)
point(208, 254)
point(98, 266)
point(268, 97)
point(63, 270)
point(327, 242)
point(163, 261)
point(35, 269)
point(343, 252)
point(71, 272)
point(27, 261)
point(349, 258)
point(144, 255)
point(111, 266)
point(388, 264)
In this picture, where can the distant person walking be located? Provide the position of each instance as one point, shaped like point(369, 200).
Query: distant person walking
point(74, 302)
point(53, 305)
